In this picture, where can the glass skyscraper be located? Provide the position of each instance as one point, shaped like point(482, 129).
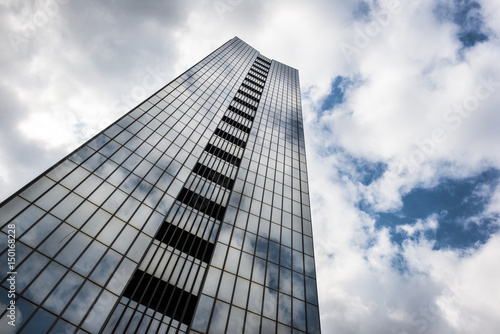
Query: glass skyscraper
point(190, 214)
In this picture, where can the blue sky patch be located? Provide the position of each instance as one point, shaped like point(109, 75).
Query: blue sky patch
point(370, 171)
point(455, 203)
point(336, 95)
point(467, 15)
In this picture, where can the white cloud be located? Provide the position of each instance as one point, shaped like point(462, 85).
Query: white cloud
point(430, 223)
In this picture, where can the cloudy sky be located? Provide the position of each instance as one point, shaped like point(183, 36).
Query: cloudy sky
point(400, 100)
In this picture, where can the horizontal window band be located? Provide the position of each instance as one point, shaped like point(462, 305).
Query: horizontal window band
point(246, 104)
point(161, 296)
point(256, 77)
point(184, 241)
point(248, 95)
point(229, 137)
point(201, 204)
point(241, 113)
point(236, 124)
point(251, 88)
point(258, 84)
point(261, 67)
point(220, 153)
point(213, 176)
point(264, 61)
point(260, 71)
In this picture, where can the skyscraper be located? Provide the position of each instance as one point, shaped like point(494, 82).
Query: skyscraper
point(189, 214)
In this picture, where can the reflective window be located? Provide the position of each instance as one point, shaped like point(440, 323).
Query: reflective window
point(37, 189)
point(81, 302)
point(63, 292)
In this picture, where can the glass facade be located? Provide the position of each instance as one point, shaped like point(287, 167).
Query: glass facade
point(190, 214)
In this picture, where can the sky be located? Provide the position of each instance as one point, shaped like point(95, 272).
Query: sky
point(400, 102)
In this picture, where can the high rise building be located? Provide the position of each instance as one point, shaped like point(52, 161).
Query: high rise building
point(189, 214)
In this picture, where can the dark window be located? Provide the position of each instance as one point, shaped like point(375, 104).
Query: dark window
point(254, 82)
point(251, 88)
point(219, 153)
point(241, 113)
point(236, 124)
point(249, 96)
point(246, 104)
point(162, 297)
point(185, 242)
point(213, 176)
point(201, 204)
point(223, 134)
point(256, 77)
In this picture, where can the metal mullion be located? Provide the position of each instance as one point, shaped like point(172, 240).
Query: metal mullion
point(176, 263)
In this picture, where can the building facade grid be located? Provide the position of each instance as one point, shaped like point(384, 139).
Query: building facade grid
point(189, 214)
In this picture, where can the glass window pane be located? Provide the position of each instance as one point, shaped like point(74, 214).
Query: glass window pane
point(241, 292)
point(63, 292)
point(66, 206)
point(81, 303)
point(45, 282)
point(219, 318)
point(285, 309)
point(124, 240)
point(38, 188)
point(202, 315)
point(309, 266)
point(96, 223)
point(139, 247)
point(311, 294)
point(105, 267)
point(236, 320)
point(81, 215)
point(252, 323)
point(45, 226)
point(285, 280)
point(89, 259)
point(121, 276)
point(232, 261)
point(110, 231)
point(51, 198)
point(57, 240)
point(212, 281)
point(40, 323)
point(255, 298)
point(88, 186)
point(99, 312)
point(270, 303)
point(298, 285)
point(75, 178)
point(75, 247)
point(226, 287)
point(245, 269)
point(299, 314)
point(26, 219)
point(12, 208)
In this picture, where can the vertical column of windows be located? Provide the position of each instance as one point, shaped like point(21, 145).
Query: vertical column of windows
point(205, 194)
point(263, 255)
